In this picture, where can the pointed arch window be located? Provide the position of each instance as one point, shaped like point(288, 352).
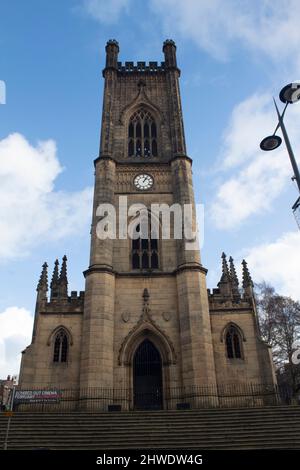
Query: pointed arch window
point(142, 135)
point(61, 347)
point(233, 343)
point(144, 250)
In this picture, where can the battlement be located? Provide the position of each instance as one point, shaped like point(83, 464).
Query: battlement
point(75, 296)
point(71, 305)
point(131, 67)
point(75, 299)
point(220, 302)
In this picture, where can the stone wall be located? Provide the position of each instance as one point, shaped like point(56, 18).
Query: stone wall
point(38, 368)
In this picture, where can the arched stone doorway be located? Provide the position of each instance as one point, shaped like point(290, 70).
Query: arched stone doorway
point(147, 377)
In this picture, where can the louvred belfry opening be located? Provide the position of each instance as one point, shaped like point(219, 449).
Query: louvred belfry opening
point(145, 250)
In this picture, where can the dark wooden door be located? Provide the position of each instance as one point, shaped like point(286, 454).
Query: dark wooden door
point(147, 377)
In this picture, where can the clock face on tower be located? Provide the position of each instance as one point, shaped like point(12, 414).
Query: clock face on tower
point(143, 182)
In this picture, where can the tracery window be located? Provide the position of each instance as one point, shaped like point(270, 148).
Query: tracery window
point(233, 343)
point(142, 135)
point(61, 347)
point(144, 254)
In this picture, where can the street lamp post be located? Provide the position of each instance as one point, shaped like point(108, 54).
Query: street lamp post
point(288, 95)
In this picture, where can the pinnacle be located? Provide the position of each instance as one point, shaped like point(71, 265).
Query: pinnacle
point(54, 279)
point(43, 281)
point(247, 280)
point(233, 274)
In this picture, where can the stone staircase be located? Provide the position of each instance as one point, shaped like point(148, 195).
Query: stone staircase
point(247, 428)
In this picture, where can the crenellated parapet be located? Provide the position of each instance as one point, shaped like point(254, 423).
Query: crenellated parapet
point(70, 305)
point(217, 303)
point(146, 67)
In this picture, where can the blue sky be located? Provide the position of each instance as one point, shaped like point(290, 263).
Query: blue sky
point(233, 56)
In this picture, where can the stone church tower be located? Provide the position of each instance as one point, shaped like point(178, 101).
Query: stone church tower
point(146, 320)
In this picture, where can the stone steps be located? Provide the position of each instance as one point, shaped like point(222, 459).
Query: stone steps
point(252, 428)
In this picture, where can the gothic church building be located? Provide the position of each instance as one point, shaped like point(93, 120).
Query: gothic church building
point(146, 320)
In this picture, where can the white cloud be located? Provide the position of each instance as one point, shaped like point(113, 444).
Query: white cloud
point(30, 210)
point(277, 263)
point(105, 11)
point(269, 26)
point(256, 178)
point(250, 120)
point(15, 333)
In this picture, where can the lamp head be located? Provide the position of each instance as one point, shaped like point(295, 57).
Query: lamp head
point(290, 93)
point(271, 142)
